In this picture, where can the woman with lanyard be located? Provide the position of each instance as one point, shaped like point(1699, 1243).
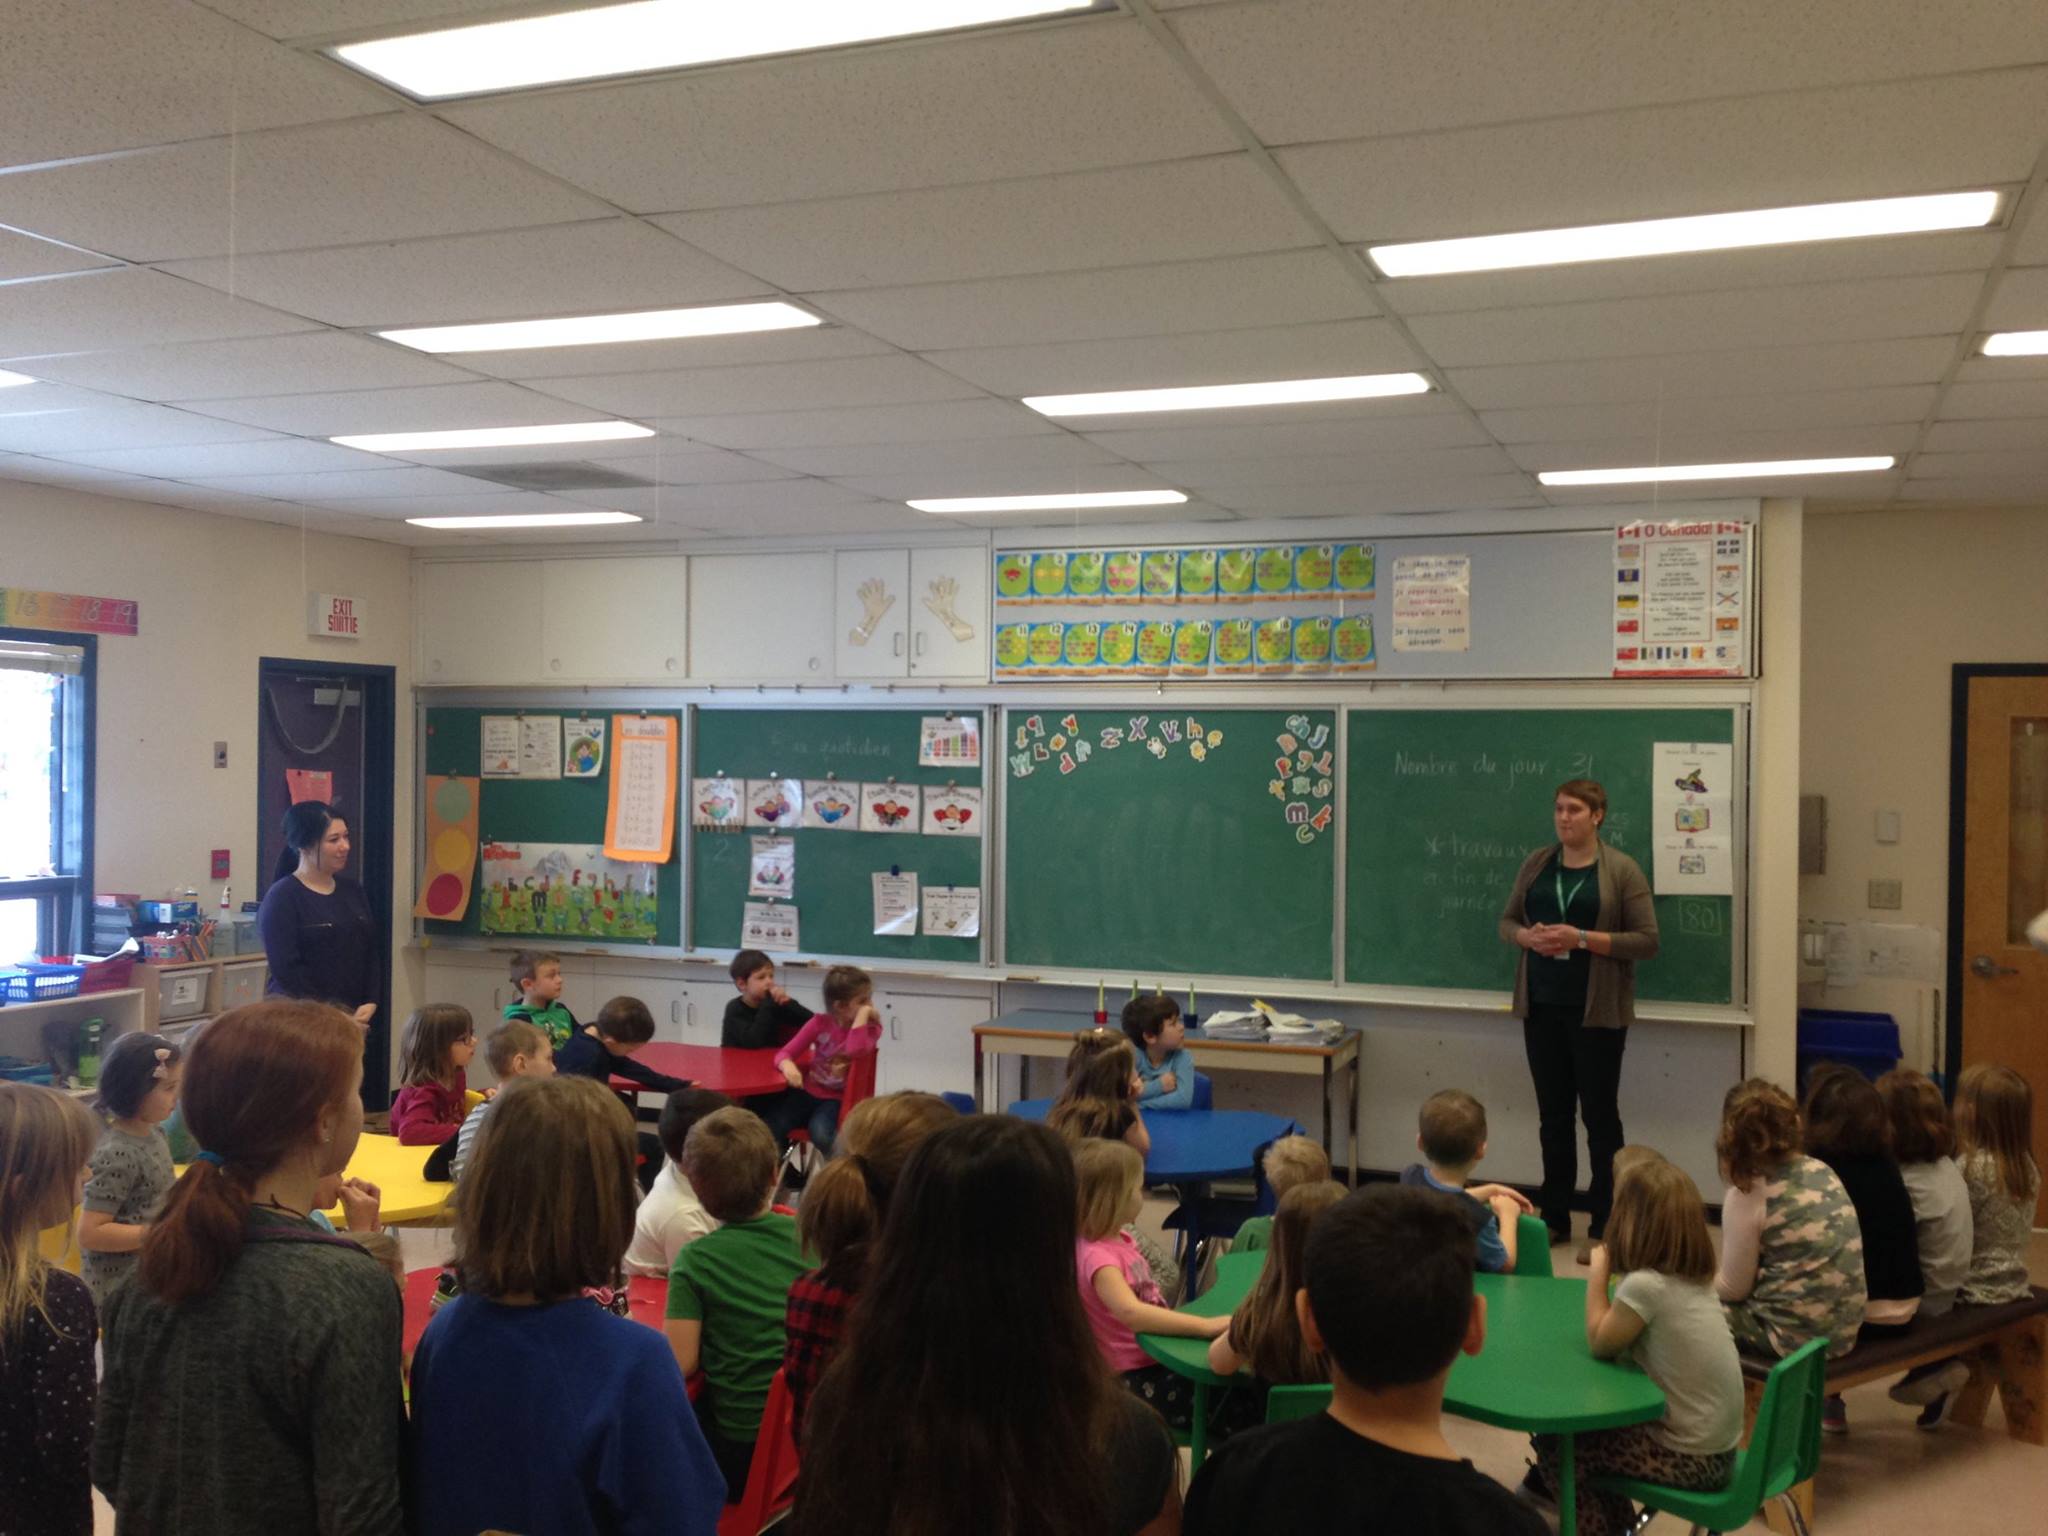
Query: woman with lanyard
point(1582, 915)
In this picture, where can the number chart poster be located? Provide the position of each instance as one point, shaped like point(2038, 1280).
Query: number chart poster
point(566, 890)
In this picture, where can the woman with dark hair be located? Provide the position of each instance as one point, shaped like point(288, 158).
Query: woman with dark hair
point(317, 929)
point(1026, 1432)
point(252, 1366)
point(1581, 914)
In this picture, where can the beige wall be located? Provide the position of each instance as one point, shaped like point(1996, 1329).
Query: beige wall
point(215, 593)
point(1892, 601)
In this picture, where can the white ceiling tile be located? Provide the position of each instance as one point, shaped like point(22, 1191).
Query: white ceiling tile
point(2024, 490)
point(1648, 418)
point(1433, 495)
point(1840, 365)
point(2011, 433)
point(1443, 427)
point(84, 79)
point(1054, 451)
point(431, 408)
point(700, 499)
point(1979, 369)
point(683, 464)
point(1091, 93)
point(36, 399)
point(1091, 526)
point(1695, 447)
point(1224, 479)
point(1701, 322)
point(892, 379)
point(127, 306)
point(362, 18)
point(26, 256)
point(1284, 288)
point(1830, 490)
point(1211, 357)
point(350, 484)
point(1024, 480)
point(813, 342)
point(2021, 301)
point(1759, 152)
point(202, 370)
point(25, 467)
point(801, 523)
point(391, 177)
point(1109, 218)
point(271, 456)
point(485, 501)
point(1765, 267)
point(936, 422)
point(1325, 69)
point(114, 426)
point(591, 267)
point(1987, 466)
point(542, 453)
point(2032, 248)
point(2019, 397)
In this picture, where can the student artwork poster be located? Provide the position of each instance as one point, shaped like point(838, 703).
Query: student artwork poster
point(566, 890)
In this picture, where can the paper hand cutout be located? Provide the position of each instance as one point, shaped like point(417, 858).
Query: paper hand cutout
point(940, 597)
point(874, 601)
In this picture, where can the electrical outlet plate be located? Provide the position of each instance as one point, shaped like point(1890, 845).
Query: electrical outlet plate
point(1887, 895)
point(220, 754)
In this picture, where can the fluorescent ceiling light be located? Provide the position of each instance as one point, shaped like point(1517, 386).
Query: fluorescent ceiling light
point(494, 437)
point(1761, 469)
point(9, 380)
point(1049, 503)
point(528, 520)
point(1702, 232)
point(1999, 344)
point(657, 35)
point(1221, 397)
point(602, 330)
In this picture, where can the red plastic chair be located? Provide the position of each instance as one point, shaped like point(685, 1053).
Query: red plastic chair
point(860, 1084)
point(771, 1480)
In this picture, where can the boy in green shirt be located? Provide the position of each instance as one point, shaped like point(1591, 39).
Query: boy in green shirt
point(728, 1294)
point(538, 976)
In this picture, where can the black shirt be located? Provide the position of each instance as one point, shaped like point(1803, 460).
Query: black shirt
point(47, 1393)
point(1884, 1210)
point(1562, 981)
point(1316, 1475)
point(765, 1028)
point(585, 1056)
point(320, 947)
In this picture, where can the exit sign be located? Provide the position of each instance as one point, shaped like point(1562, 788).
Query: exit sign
point(334, 616)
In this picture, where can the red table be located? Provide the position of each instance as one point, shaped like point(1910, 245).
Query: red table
point(737, 1074)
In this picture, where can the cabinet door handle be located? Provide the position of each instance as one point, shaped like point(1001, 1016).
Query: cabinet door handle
point(675, 1011)
point(896, 643)
point(921, 638)
point(690, 1014)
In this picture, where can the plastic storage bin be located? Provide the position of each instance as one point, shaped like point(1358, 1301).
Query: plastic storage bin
point(39, 983)
point(1869, 1042)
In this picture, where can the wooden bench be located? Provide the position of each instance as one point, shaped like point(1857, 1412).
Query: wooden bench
point(2006, 1347)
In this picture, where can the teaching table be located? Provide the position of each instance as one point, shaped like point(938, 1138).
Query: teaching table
point(736, 1074)
point(1041, 1032)
point(1535, 1373)
point(1190, 1146)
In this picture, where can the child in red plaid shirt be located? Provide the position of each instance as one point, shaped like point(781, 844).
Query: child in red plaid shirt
point(841, 1215)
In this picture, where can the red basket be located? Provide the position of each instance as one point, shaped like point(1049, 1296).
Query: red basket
point(108, 975)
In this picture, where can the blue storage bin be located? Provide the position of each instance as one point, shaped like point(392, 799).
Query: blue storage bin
point(39, 983)
point(1869, 1042)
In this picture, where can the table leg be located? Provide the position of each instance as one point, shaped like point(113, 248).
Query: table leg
point(1198, 1431)
point(1328, 1149)
point(980, 1106)
point(1567, 1488)
point(1357, 1082)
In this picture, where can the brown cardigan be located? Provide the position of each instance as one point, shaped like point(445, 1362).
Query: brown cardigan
point(1627, 913)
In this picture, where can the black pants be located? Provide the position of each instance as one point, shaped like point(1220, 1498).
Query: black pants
point(1577, 1071)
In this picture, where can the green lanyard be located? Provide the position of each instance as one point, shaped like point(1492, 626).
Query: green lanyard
point(1564, 901)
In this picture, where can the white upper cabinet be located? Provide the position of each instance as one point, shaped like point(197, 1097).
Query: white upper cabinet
point(620, 619)
point(761, 618)
point(478, 621)
point(872, 636)
point(949, 613)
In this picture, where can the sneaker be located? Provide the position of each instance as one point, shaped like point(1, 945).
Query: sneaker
point(1919, 1389)
point(1535, 1489)
point(447, 1286)
point(1834, 1416)
point(1584, 1252)
point(1934, 1413)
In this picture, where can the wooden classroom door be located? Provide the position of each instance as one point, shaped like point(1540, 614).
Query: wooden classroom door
point(2003, 984)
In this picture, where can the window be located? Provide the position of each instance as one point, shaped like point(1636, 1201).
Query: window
point(45, 791)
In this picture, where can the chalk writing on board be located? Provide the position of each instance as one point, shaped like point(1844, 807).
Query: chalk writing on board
point(1695, 916)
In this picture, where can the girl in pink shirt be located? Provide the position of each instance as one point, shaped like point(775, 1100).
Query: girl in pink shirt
point(848, 1028)
point(1117, 1289)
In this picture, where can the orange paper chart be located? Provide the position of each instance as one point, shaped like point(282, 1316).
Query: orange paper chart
point(640, 818)
point(448, 864)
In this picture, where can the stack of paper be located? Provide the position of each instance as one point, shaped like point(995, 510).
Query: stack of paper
point(1233, 1026)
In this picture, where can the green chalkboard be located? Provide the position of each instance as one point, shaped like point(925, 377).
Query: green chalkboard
point(1150, 853)
point(1442, 806)
point(834, 869)
point(539, 811)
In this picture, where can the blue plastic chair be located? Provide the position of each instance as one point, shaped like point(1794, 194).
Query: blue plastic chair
point(1205, 1093)
point(1199, 1218)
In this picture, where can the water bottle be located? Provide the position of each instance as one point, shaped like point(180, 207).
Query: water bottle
point(89, 1051)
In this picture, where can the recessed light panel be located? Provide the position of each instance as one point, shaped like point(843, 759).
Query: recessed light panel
point(2006, 344)
point(9, 380)
point(527, 520)
point(1762, 469)
point(1060, 503)
point(1223, 397)
point(605, 330)
point(494, 437)
point(659, 35)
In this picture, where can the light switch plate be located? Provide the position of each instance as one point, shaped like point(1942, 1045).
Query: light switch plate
point(1887, 895)
point(1887, 826)
point(220, 754)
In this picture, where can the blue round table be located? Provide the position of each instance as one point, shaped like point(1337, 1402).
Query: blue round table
point(1191, 1145)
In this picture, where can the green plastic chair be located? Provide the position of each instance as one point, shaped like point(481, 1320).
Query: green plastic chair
point(1532, 1247)
point(1783, 1452)
point(1286, 1403)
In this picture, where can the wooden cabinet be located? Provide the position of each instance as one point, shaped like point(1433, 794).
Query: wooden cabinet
point(615, 620)
point(478, 621)
point(949, 612)
point(761, 618)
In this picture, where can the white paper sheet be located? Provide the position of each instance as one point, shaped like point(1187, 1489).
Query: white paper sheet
point(952, 911)
point(771, 868)
point(540, 747)
point(895, 903)
point(500, 747)
point(770, 925)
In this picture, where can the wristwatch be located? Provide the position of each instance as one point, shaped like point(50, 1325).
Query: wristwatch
point(1582, 940)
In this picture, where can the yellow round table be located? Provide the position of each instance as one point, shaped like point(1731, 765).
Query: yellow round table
point(396, 1171)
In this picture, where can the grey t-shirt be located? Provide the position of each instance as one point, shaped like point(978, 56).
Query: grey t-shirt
point(1686, 1348)
point(2000, 1228)
point(1941, 1218)
point(130, 1175)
